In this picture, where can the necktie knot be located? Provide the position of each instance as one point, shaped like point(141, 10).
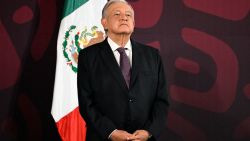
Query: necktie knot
point(121, 50)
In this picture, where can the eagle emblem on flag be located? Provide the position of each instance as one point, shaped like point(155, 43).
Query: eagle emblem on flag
point(76, 40)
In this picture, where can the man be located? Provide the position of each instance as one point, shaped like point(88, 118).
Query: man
point(122, 96)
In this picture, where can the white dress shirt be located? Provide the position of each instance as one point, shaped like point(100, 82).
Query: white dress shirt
point(128, 50)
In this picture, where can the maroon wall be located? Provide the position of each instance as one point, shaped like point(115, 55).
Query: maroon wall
point(205, 46)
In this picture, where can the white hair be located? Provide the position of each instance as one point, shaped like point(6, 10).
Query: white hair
point(110, 2)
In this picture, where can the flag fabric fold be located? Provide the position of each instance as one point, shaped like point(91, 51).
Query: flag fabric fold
point(80, 27)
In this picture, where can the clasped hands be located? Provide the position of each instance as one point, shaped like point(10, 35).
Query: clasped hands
point(138, 135)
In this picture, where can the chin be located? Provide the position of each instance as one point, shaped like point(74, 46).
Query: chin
point(125, 32)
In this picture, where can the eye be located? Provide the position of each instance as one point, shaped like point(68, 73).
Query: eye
point(117, 14)
point(128, 15)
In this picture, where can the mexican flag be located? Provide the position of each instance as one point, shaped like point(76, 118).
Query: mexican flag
point(80, 27)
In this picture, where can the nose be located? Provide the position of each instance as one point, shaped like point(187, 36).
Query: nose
point(124, 17)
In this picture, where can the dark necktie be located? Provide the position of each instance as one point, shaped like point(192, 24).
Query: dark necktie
point(124, 64)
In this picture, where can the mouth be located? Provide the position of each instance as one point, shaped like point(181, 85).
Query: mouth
point(123, 24)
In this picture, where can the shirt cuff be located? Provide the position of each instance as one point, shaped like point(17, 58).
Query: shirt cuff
point(149, 134)
point(111, 134)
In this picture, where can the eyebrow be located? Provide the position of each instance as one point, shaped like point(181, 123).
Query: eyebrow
point(125, 11)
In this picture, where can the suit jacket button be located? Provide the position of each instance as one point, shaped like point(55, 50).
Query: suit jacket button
point(130, 100)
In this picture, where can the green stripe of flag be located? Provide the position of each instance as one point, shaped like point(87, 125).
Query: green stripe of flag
point(71, 5)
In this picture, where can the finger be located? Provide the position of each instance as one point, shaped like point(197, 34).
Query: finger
point(136, 133)
point(132, 138)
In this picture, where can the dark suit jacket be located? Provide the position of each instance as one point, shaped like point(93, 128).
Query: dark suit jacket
point(107, 104)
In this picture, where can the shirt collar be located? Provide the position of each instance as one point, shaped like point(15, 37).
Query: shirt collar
point(114, 46)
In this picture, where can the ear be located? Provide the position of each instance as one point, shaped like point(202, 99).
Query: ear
point(104, 23)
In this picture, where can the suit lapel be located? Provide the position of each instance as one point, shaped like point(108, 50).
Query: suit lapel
point(109, 59)
point(136, 60)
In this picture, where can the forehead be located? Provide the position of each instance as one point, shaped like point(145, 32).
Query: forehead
point(120, 6)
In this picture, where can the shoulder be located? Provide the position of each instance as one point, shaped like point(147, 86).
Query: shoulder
point(89, 54)
point(91, 49)
point(146, 49)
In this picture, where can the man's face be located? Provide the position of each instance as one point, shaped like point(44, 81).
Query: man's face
point(119, 19)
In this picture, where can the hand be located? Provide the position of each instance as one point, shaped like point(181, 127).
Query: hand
point(140, 135)
point(121, 135)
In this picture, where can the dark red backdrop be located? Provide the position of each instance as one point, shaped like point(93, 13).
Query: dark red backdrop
point(205, 45)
